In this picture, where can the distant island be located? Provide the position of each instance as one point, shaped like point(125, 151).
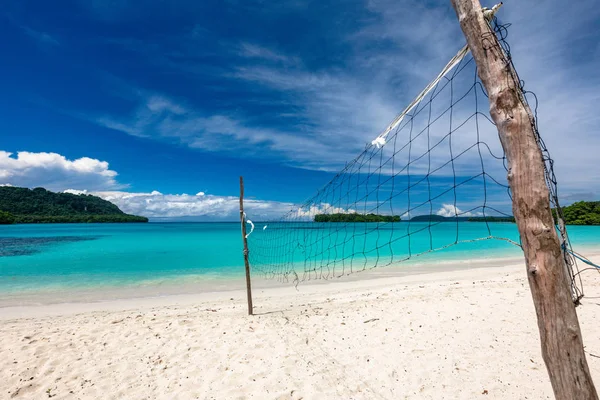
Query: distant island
point(30, 206)
point(582, 213)
point(355, 217)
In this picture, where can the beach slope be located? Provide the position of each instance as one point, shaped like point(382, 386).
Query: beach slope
point(449, 335)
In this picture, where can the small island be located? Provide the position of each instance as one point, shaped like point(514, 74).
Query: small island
point(30, 206)
point(582, 213)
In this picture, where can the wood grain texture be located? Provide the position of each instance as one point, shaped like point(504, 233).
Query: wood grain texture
point(561, 339)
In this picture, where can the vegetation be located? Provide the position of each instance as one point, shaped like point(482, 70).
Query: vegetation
point(581, 213)
point(6, 218)
point(22, 206)
point(355, 217)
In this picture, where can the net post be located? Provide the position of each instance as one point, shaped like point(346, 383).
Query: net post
point(560, 334)
point(245, 241)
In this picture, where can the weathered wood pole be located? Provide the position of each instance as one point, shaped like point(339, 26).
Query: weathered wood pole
point(562, 343)
point(246, 262)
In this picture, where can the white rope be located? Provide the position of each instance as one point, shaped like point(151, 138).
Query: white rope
point(489, 14)
point(251, 227)
point(379, 141)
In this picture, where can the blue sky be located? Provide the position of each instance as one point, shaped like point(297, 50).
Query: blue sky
point(182, 97)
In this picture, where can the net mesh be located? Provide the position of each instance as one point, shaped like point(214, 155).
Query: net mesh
point(435, 180)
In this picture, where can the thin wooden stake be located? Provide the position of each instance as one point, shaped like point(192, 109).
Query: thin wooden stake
point(561, 340)
point(246, 262)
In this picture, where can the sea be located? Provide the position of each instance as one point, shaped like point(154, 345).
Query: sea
point(56, 259)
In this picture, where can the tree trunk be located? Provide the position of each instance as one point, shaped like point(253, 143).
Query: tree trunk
point(561, 340)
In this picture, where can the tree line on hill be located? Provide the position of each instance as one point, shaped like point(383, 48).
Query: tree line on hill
point(581, 213)
point(24, 206)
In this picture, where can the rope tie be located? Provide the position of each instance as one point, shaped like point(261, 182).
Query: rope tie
point(251, 228)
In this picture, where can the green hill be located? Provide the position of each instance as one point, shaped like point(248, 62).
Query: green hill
point(22, 206)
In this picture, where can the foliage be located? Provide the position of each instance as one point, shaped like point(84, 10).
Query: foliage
point(6, 218)
point(42, 206)
point(355, 217)
point(582, 213)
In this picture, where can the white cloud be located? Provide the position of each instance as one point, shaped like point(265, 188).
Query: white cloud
point(162, 118)
point(41, 37)
point(560, 66)
point(449, 210)
point(251, 50)
point(55, 172)
point(201, 206)
point(75, 191)
point(327, 112)
point(332, 112)
point(308, 213)
point(90, 176)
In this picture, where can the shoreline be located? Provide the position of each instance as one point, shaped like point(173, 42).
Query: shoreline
point(452, 334)
point(179, 292)
point(200, 284)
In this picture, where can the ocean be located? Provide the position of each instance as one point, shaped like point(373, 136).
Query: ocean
point(59, 258)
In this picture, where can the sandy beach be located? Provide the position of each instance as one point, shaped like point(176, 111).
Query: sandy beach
point(446, 335)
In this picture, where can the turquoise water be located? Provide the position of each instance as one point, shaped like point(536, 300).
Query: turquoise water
point(87, 255)
point(67, 256)
point(315, 251)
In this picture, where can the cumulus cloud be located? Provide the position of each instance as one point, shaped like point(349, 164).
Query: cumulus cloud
point(449, 210)
point(201, 206)
point(208, 207)
point(55, 172)
point(91, 176)
point(309, 213)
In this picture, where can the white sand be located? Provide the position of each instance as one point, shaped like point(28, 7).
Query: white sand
point(449, 335)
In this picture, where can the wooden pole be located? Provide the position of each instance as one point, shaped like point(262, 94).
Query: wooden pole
point(246, 262)
point(561, 340)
